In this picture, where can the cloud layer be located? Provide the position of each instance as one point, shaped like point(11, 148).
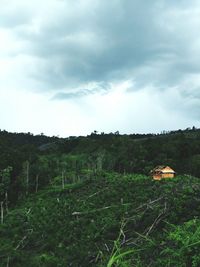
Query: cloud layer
point(67, 49)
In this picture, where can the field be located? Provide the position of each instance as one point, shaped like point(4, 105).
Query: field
point(107, 220)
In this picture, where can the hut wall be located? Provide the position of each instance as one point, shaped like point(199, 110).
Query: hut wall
point(157, 176)
point(167, 175)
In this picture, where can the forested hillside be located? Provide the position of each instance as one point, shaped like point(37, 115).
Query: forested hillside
point(88, 201)
point(37, 161)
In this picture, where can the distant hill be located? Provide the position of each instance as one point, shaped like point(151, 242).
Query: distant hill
point(47, 157)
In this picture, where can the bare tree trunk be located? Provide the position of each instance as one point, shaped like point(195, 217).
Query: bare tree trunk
point(36, 186)
point(27, 176)
point(1, 212)
point(63, 180)
point(8, 261)
point(74, 178)
point(6, 201)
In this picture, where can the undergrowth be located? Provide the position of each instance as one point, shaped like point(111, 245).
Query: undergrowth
point(111, 220)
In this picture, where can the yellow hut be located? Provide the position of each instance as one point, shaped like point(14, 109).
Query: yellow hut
point(161, 172)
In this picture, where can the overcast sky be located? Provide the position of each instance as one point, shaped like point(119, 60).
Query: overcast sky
point(68, 67)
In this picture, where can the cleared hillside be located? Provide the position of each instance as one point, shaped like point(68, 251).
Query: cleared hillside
point(110, 220)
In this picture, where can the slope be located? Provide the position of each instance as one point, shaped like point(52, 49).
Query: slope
point(110, 220)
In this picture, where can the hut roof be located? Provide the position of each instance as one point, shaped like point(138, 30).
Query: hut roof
point(163, 169)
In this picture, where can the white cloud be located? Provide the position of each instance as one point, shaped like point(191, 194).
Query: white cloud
point(70, 49)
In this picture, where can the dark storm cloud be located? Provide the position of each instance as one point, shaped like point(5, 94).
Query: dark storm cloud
point(102, 88)
point(80, 42)
point(80, 93)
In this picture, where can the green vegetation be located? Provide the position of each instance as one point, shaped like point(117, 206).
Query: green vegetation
point(111, 220)
point(81, 202)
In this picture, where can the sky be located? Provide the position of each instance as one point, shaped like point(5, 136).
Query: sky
point(69, 67)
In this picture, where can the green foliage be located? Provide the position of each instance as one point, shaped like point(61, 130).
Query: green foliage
point(136, 153)
point(86, 201)
point(182, 247)
point(117, 254)
point(109, 220)
point(5, 177)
